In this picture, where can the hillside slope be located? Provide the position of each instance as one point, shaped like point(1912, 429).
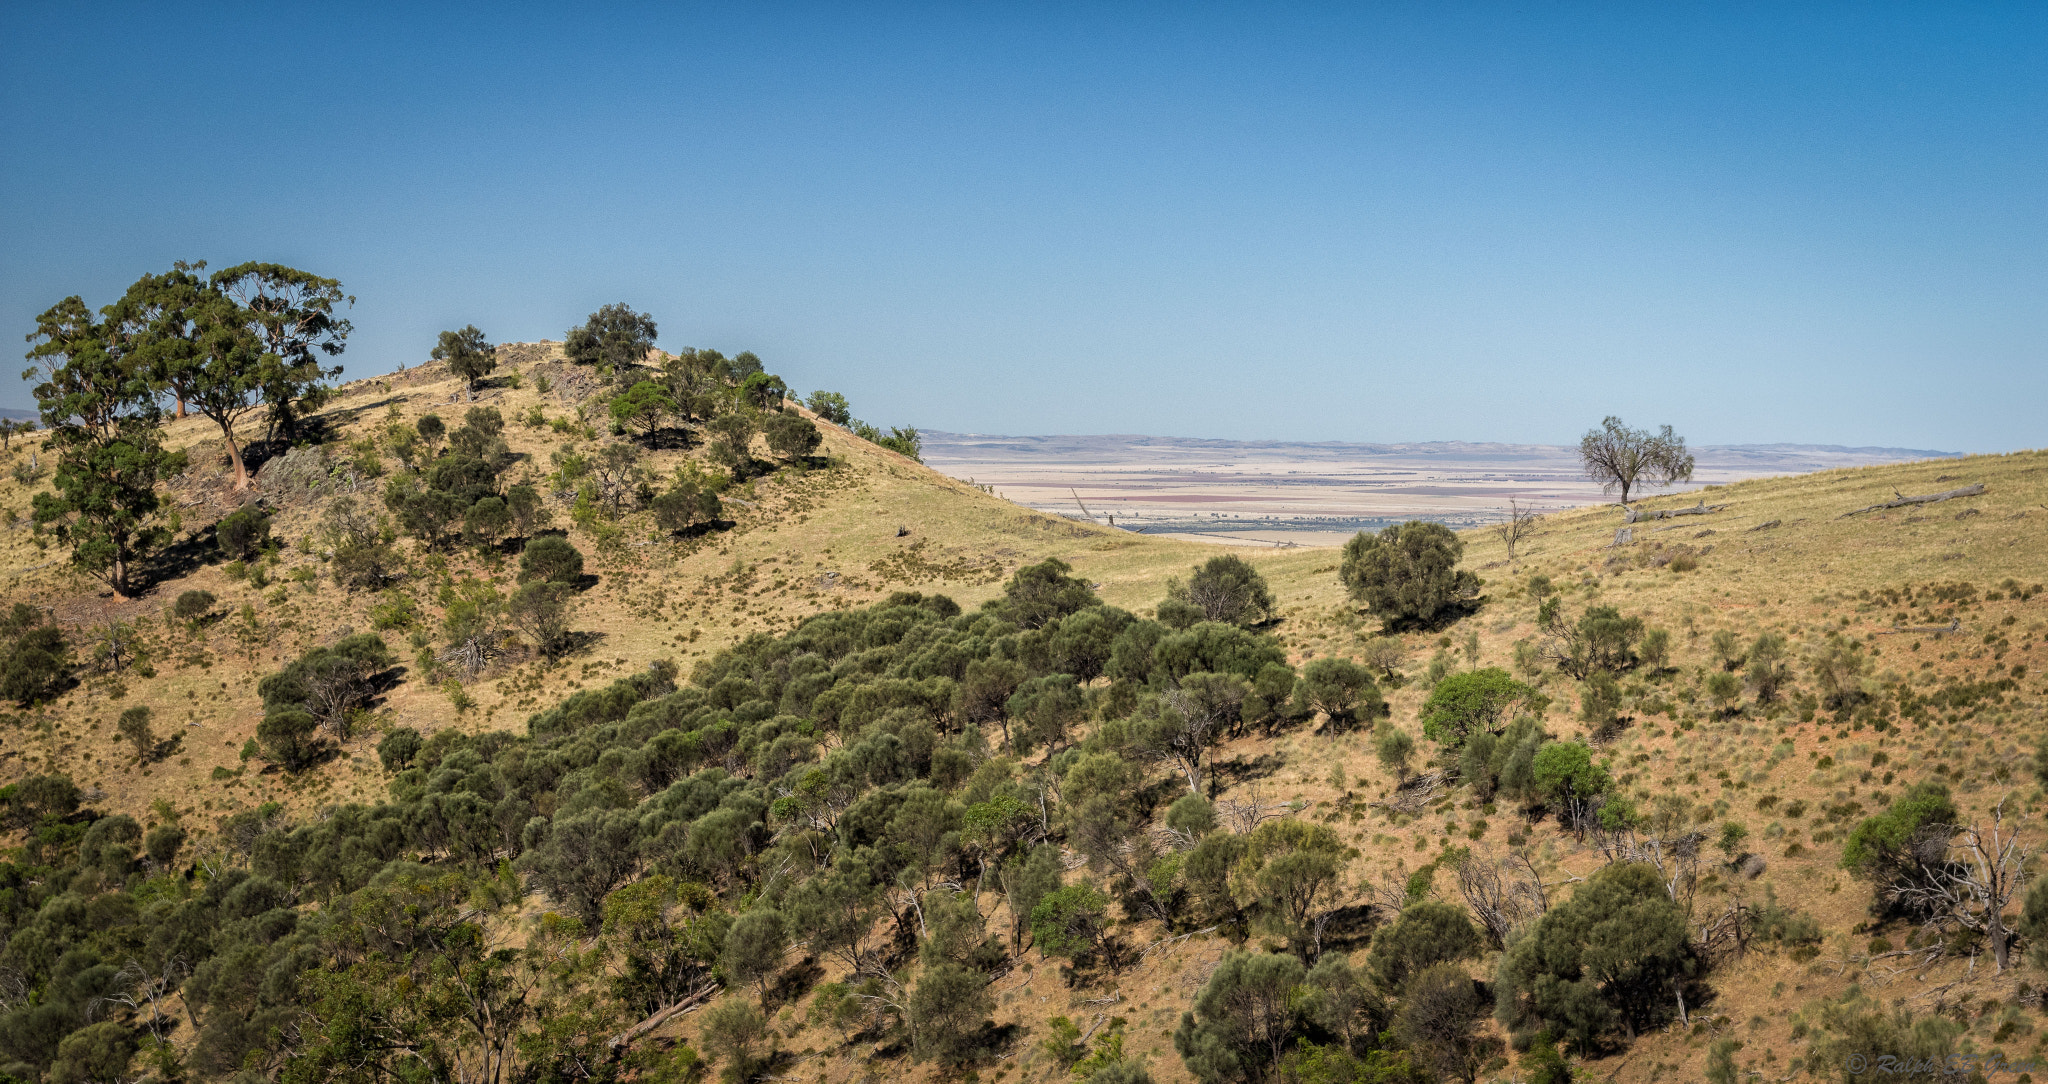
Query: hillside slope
point(1777, 556)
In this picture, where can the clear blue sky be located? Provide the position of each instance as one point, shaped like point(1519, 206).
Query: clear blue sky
point(1764, 222)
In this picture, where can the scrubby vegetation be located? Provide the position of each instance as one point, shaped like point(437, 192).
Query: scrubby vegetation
point(606, 714)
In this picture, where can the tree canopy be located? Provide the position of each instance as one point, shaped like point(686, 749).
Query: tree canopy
point(101, 408)
point(1408, 572)
point(1612, 957)
point(1620, 458)
point(1463, 704)
point(614, 335)
point(1225, 588)
point(468, 354)
point(293, 316)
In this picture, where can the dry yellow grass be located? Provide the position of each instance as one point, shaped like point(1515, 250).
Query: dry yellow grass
point(809, 541)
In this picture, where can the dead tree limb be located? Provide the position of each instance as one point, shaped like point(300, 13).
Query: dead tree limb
point(1900, 500)
point(1414, 794)
point(662, 1016)
point(1637, 515)
point(1502, 897)
point(1520, 524)
point(1953, 626)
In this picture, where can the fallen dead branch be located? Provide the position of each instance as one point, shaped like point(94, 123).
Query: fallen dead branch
point(1953, 626)
point(1900, 500)
point(1414, 794)
point(1633, 515)
point(1163, 942)
point(661, 1017)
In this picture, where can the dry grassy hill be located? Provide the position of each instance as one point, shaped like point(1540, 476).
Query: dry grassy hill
point(1779, 556)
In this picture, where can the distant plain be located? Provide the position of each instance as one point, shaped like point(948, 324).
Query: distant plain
point(1321, 493)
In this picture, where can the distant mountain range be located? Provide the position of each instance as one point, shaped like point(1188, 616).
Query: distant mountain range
point(1140, 445)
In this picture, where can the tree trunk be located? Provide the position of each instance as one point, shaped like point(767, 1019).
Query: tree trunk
point(1999, 949)
point(235, 456)
point(119, 580)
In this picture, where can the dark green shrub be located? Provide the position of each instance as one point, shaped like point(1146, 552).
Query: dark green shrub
point(1340, 689)
point(947, 1010)
point(1605, 960)
point(398, 749)
point(1464, 704)
point(163, 843)
point(1408, 573)
point(792, 436)
point(134, 727)
point(1895, 849)
point(1037, 595)
point(288, 740)
point(684, 507)
point(550, 559)
point(35, 659)
point(1427, 934)
point(329, 684)
point(192, 605)
point(1225, 588)
point(25, 803)
point(1070, 921)
point(487, 521)
point(1244, 1018)
point(243, 534)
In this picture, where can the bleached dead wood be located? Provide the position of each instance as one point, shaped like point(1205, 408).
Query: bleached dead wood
point(663, 1016)
point(1953, 626)
point(1637, 515)
point(1900, 500)
point(1164, 942)
point(1415, 793)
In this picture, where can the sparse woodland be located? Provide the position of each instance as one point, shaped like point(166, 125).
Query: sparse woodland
point(586, 711)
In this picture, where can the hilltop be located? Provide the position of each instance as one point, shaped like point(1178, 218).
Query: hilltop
point(848, 531)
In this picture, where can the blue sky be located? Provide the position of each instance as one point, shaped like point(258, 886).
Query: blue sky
point(1761, 222)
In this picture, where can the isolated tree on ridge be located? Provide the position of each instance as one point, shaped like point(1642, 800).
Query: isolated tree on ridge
point(614, 335)
point(1621, 458)
point(468, 354)
point(291, 313)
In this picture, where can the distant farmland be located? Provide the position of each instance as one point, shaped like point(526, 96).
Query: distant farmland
point(1318, 493)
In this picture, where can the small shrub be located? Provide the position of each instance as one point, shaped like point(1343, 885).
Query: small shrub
point(134, 726)
point(550, 559)
point(458, 697)
point(397, 750)
point(35, 659)
point(394, 610)
point(243, 534)
point(192, 605)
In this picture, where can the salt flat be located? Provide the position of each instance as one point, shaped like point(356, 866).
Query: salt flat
point(1319, 493)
